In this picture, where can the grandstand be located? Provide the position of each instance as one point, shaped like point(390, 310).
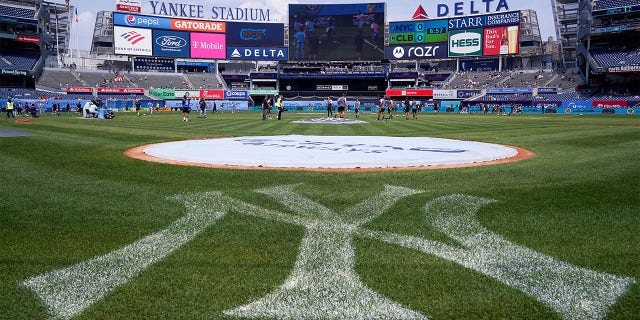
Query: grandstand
point(599, 39)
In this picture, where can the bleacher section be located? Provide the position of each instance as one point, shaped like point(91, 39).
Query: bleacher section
point(204, 81)
point(58, 79)
point(18, 61)
point(150, 80)
point(607, 4)
point(17, 12)
point(616, 57)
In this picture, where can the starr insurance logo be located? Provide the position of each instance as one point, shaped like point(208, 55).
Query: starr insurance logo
point(132, 37)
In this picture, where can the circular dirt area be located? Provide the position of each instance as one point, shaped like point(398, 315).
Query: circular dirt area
point(329, 153)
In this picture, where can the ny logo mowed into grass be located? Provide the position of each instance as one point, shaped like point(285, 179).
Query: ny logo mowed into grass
point(323, 283)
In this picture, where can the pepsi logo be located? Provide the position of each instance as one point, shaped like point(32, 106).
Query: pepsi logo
point(131, 20)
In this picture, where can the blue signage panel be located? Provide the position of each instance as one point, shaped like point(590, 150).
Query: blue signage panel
point(424, 51)
point(236, 94)
point(509, 90)
point(252, 53)
point(171, 43)
point(467, 93)
point(241, 34)
point(135, 20)
point(484, 21)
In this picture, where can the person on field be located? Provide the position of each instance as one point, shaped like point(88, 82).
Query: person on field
point(203, 108)
point(265, 108)
point(356, 108)
point(329, 103)
point(186, 108)
point(9, 109)
point(138, 106)
point(407, 106)
point(342, 105)
point(280, 107)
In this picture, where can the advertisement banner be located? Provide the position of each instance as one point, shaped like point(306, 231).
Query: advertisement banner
point(128, 5)
point(132, 41)
point(255, 34)
point(212, 94)
point(140, 21)
point(465, 43)
point(30, 39)
point(509, 90)
point(609, 104)
point(198, 25)
point(427, 51)
point(511, 18)
point(445, 94)
point(416, 32)
point(193, 94)
point(163, 93)
point(409, 93)
point(236, 94)
point(468, 93)
point(122, 90)
point(577, 104)
point(79, 90)
point(547, 90)
point(171, 44)
point(262, 54)
point(208, 45)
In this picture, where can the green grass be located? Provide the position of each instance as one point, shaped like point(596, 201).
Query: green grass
point(69, 194)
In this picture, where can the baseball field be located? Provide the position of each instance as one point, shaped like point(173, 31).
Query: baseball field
point(89, 233)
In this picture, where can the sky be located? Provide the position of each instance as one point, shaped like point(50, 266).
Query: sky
point(397, 10)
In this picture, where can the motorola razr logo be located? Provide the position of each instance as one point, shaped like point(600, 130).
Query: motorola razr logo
point(398, 52)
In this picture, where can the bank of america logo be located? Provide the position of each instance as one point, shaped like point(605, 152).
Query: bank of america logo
point(132, 36)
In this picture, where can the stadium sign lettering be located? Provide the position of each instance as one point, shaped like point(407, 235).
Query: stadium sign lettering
point(197, 11)
point(459, 7)
point(191, 25)
point(248, 53)
point(493, 20)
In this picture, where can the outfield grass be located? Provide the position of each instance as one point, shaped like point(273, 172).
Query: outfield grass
point(69, 194)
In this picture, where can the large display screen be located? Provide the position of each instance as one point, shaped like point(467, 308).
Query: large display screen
point(336, 31)
point(469, 36)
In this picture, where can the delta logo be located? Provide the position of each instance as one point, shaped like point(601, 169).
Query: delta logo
point(132, 37)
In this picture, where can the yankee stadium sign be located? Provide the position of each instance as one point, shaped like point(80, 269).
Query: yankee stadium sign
point(187, 9)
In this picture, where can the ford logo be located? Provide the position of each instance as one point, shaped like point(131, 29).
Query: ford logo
point(171, 42)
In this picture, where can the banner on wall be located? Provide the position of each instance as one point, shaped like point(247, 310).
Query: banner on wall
point(465, 43)
point(132, 41)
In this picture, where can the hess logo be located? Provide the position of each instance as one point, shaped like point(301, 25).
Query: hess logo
point(465, 43)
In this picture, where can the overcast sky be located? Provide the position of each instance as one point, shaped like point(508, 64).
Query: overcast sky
point(397, 10)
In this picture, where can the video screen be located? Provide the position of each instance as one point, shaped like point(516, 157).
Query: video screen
point(336, 31)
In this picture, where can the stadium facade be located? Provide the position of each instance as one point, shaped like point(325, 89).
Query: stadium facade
point(596, 53)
